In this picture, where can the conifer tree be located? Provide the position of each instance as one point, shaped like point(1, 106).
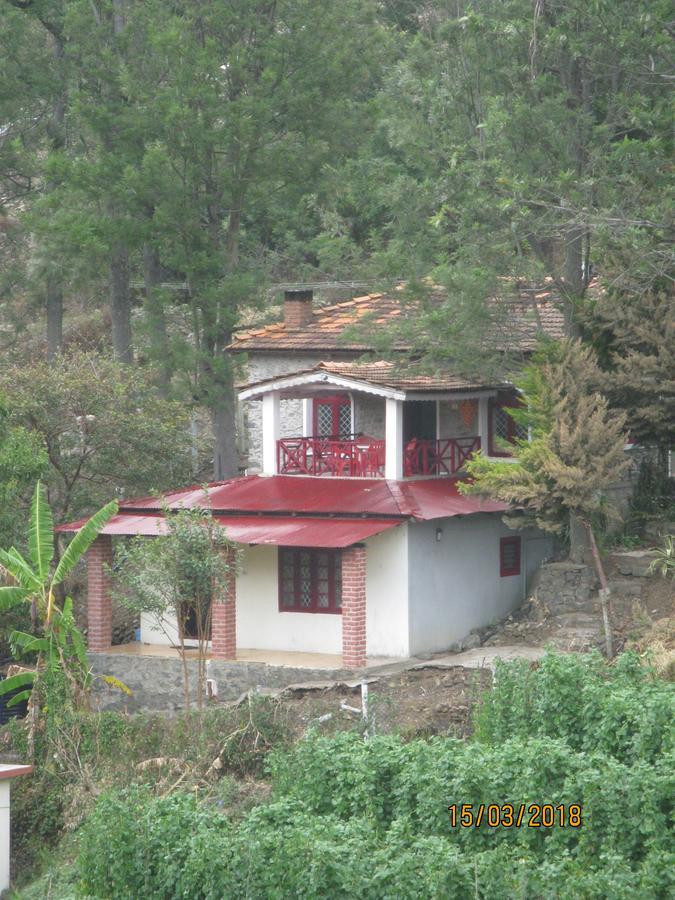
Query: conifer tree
point(561, 476)
point(640, 376)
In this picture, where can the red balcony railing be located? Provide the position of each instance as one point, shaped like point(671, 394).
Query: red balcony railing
point(363, 457)
point(358, 457)
point(441, 457)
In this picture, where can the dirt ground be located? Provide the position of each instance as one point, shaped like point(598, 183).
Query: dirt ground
point(430, 700)
point(418, 702)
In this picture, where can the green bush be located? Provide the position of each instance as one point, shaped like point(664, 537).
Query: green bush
point(350, 817)
point(623, 710)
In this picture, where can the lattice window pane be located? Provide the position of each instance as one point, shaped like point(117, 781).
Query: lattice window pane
point(500, 424)
point(344, 420)
point(305, 580)
point(324, 420)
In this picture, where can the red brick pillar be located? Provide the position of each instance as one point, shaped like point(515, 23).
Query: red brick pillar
point(354, 606)
point(99, 603)
point(224, 616)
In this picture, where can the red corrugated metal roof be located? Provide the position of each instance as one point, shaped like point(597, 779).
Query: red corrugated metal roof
point(286, 531)
point(424, 499)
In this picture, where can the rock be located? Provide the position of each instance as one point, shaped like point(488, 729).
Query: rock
point(471, 641)
point(634, 562)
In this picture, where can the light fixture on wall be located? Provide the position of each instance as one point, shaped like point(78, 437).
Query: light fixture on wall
point(439, 534)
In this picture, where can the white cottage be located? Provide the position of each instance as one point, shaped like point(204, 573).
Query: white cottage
point(355, 540)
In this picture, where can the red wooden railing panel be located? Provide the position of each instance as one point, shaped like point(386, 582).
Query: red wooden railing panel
point(364, 458)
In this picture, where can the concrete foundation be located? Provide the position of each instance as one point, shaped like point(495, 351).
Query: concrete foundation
point(156, 683)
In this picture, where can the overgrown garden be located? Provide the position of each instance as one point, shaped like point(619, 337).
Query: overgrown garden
point(348, 816)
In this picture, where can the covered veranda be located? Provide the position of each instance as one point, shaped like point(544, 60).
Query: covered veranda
point(345, 534)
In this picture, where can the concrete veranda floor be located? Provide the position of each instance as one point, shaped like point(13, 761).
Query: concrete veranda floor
point(295, 660)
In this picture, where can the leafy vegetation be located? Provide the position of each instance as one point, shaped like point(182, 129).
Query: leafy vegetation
point(61, 676)
point(177, 577)
point(369, 817)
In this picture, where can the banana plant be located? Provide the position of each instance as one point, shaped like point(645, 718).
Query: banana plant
point(62, 646)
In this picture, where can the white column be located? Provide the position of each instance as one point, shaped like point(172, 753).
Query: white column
point(393, 461)
point(483, 426)
point(271, 431)
point(307, 423)
point(4, 835)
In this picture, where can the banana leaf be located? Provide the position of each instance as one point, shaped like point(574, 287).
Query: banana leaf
point(16, 681)
point(11, 596)
point(82, 541)
point(19, 569)
point(29, 643)
point(41, 533)
point(18, 698)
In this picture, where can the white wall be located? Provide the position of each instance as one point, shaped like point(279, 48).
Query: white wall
point(4, 835)
point(387, 593)
point(455, 585)
point(261, 626)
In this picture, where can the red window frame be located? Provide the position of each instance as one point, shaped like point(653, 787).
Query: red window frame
point(334, 579)
point(509, 566)
point(335, 401)
point(508, 401)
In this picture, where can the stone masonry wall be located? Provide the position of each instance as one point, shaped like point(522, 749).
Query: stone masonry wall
point(156, 683)
point(269, 365)
point(561, 587)
point(369, 415)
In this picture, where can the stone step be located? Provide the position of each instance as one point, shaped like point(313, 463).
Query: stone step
point(633, 562)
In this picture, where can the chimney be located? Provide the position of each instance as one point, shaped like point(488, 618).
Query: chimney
point(297, 308)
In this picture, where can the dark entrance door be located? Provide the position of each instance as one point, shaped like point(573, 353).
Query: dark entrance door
point(419, 420)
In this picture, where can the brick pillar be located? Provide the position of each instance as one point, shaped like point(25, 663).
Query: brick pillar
point(224, 616)
point(99, 603)
point(354, 606)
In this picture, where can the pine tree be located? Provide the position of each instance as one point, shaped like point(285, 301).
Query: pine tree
point(561, 476)
point(640, 376)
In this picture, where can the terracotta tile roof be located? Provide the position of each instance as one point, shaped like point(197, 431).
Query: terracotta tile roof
point(325, 330)
point(531, 310)
point(391, 375)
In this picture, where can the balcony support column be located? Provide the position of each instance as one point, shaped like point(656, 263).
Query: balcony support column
point(271, 431)
point(483, 424)
point(393, 461)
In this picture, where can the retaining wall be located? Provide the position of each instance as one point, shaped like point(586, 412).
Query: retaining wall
point(156, 682)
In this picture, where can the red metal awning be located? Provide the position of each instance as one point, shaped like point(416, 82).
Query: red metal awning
point(286, 531)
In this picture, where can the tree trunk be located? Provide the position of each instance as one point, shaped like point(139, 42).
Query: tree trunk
point(225, 457)
point(604, 591)
point(120, 303)
point(54, 291)
point(155, 318)
point(54, 316)
point(580, 549)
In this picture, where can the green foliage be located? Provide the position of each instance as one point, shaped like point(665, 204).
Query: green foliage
point(351, 817)
point(22, 461)
point(61, 673)
point(622, 711)
point(664, 563)
point(103, 428)
point(576, 448)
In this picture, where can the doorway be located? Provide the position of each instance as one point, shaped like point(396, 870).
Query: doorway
point(419, 420)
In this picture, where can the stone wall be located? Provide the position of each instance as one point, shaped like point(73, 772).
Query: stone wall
point(156, 682)
point(450, 421)
point(369, 415)
point(561, 587)
point(269, 365)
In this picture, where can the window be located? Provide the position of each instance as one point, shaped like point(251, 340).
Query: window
point(509, 556)
point(333, 417)
point(310, 580)
point(502, 426)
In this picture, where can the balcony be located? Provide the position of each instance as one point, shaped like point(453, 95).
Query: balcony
point(364, 457)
